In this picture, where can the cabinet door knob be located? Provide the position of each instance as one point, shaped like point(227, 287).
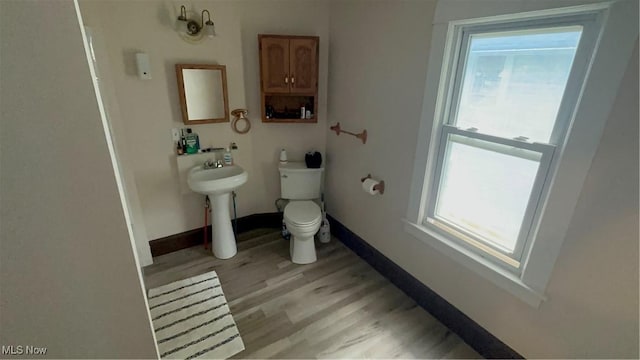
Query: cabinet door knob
point(293, 79)
point(286, 79)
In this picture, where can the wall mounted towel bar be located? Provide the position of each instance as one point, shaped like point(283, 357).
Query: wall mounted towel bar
point(362, 136)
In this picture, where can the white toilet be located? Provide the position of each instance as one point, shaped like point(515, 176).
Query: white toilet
point(302, 215)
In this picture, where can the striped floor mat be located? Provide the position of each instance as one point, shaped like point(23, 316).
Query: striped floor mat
point(192, 320)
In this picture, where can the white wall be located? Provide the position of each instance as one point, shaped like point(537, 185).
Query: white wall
point(376, 82)
point(118, 136)
point(149, 109)
point(67, 269)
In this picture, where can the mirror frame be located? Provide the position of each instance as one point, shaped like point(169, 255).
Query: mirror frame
point(183, 99)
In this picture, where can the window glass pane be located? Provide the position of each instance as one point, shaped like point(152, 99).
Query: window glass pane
point(485, 188)
point(513, 81)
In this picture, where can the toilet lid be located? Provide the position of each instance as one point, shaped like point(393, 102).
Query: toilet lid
point(302, 212)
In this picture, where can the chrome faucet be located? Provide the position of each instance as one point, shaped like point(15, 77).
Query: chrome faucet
point(213, 164)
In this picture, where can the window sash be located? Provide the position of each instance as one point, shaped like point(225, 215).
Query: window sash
point(569, 98)
point(473, 241)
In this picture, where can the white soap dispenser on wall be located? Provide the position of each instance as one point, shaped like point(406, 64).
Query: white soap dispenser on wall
point(144, 69)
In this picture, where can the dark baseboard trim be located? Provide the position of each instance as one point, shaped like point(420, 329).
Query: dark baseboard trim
point(176, 242)
point(194, 237)
point(257, 221)
point(473, 334)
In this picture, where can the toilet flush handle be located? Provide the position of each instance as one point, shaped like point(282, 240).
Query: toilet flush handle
point(284, 176)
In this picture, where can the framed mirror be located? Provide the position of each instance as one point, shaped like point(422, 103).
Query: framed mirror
point(203, 93)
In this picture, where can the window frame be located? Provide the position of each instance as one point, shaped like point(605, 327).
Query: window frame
point(613, 35)
point(453, 77)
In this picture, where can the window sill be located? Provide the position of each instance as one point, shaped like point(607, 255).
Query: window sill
point(478, 264)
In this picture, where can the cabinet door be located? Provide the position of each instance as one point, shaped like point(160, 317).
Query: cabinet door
point(303, 65)
point(274, 53)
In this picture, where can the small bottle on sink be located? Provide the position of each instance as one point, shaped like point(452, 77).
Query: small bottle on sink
point(227, 157)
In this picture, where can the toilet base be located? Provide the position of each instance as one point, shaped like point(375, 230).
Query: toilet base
point(302, 250)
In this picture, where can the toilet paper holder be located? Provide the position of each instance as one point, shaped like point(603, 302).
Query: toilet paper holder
point(379, 187)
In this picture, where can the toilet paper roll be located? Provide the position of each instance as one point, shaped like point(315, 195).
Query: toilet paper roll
point(367, 186)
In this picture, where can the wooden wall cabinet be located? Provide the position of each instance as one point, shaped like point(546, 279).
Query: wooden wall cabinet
point(288, 77)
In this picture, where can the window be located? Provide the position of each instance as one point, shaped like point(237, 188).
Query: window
point(514, 109)
point(499, 134)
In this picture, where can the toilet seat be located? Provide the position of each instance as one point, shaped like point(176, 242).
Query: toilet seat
point(302, 213)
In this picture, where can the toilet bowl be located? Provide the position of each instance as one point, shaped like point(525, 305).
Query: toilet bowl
point(303, 219)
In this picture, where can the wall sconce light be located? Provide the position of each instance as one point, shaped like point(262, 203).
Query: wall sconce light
point(191, 30)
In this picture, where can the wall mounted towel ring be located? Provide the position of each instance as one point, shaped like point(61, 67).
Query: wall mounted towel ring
point(362, 136)
point(240, 116)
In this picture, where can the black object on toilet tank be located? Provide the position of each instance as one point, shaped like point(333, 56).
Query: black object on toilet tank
point(313, 160)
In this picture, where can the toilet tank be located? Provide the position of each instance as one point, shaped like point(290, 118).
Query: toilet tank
point(297, 182)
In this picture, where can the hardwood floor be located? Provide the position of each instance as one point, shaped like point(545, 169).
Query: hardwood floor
point(338, 307)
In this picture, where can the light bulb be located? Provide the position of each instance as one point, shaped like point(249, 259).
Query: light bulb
point(181, 25)
point(210, 28)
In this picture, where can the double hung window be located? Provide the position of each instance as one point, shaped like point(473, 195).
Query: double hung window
point(510, 93)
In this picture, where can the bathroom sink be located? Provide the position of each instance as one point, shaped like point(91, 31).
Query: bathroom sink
point(216, 180)
point(218, 183)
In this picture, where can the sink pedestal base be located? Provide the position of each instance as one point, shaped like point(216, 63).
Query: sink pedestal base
point(223, 241)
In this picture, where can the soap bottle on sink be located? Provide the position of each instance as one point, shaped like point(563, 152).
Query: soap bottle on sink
point(227, 157)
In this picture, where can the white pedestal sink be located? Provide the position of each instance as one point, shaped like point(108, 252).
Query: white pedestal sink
point(218, 183)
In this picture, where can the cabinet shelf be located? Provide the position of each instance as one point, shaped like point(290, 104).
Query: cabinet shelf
point(299, 121)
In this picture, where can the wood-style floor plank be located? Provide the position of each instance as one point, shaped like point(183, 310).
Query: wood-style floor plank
point(337, 307)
